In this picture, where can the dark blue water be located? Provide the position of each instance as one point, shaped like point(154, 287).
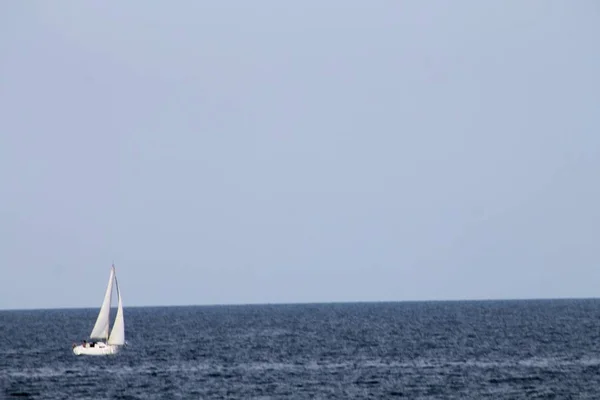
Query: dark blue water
point(437, 350)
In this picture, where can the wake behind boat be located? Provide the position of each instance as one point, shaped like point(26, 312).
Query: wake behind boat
point(101, 343)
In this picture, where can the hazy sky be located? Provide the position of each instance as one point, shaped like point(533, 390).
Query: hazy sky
point(306, 151)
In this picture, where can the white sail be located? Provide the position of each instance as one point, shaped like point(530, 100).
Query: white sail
point(100, 330)
point(117, 336)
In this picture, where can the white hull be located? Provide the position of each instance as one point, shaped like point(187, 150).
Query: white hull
point(100, 349)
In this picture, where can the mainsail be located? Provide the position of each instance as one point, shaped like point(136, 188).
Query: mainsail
point(100, 330)
point(117, 335)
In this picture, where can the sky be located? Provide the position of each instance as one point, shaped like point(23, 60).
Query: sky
point(236, 152)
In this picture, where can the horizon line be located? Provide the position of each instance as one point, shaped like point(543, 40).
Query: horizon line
point(311, 303)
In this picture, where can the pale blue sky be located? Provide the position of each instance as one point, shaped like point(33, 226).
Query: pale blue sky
point(277, 151)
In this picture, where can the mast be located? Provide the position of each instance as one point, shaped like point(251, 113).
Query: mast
point(112, 283)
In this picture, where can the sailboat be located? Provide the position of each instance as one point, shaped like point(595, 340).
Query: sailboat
point(101, 343)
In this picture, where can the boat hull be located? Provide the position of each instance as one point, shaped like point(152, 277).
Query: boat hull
point(100, 349)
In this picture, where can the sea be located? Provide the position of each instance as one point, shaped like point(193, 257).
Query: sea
point(534, 349)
